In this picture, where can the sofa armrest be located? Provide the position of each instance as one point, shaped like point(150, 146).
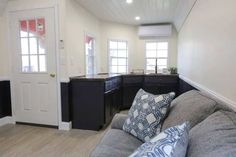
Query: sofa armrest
point(118, 121)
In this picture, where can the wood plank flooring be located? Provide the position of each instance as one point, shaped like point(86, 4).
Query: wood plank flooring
point(29, 141)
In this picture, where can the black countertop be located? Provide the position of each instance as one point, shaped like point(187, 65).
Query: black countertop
point(95, 77)
point(106, 76)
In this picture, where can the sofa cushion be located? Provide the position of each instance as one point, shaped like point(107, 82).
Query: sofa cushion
point(214, 137)
point(118, 121)
point(116, 143)
point(146, 114)
point(172, 142)
point(190, 106)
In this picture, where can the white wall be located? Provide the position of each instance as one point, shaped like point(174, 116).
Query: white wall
point(4, 55)
point(207, 47)
point(78, 22)
point(117, 31)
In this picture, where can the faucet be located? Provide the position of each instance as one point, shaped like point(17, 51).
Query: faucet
point(156, 67)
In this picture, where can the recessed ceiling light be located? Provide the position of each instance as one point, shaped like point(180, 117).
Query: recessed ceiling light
point(129, 1)
point(137, 18)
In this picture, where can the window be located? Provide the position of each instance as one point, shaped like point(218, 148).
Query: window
point(90, 55)
point(118, 56)
point(156, 54)
point(32, 43)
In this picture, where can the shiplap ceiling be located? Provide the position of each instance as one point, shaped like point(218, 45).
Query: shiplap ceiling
point(150, 11)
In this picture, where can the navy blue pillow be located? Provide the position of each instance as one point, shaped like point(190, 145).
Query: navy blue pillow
point(147, 114)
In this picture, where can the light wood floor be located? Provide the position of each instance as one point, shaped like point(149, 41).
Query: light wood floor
point(29, 141)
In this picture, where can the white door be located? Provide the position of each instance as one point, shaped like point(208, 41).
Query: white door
point(34, 83)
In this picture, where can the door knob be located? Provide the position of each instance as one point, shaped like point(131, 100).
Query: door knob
point(53, 75)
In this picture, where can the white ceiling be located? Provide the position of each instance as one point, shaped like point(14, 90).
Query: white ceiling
point(150, 11)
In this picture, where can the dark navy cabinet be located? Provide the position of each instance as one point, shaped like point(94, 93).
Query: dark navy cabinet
point(161, 84)
point(95, 100)
point(152, 83)
point(130, 86)
point(5, 99)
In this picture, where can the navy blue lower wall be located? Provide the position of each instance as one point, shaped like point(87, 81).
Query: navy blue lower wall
point(184, 87)
point(65, 102)
point(5, 99)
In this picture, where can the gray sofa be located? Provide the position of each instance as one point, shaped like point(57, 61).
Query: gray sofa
point(212, 133)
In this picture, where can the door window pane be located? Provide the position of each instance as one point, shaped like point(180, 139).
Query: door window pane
point(34, 63)
point(42, 46)
point(24, 46)
point(25, 64)
point(33, 45)
point(41, 27)
point(42, 63)
point(23, 28)
point(32, 28)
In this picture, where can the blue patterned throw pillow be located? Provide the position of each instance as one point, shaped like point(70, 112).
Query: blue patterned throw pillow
point(172, 142)
point(146, 114)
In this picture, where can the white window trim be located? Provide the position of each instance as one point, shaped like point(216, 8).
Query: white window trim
point(110, 58)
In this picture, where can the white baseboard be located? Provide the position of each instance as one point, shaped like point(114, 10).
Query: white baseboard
point(215, 95)
point(7, 120)
point(64, 80)
point(65, 126)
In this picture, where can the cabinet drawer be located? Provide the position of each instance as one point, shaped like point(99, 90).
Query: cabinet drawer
point(160, 79)
point(112, 84)
point(132, 80)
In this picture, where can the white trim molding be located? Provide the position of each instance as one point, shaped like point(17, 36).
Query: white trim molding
point(7, 120)
point(211, 93)
point(66, 126)
point(64, 80)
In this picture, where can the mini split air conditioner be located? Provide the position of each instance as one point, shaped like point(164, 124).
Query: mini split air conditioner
point(153, 31)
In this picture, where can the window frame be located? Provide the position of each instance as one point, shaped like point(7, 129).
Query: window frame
point(110, 58)
point(157, 41)
point(94, 54)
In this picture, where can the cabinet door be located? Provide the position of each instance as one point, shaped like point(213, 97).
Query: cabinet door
point(117, 101)
point(129, 94)
point(108, 106)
